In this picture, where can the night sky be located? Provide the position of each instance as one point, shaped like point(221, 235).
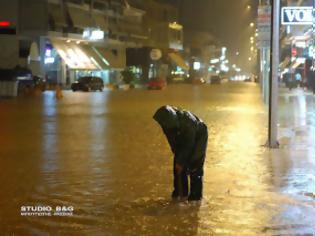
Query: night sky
point(228, 20)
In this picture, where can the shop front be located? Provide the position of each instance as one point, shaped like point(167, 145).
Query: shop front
point(67, 60)
point(295, 54)
point(153, 62)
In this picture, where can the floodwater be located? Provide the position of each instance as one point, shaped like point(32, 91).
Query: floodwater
point(102, 154)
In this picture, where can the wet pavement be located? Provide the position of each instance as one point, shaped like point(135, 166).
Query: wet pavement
point(103, 154)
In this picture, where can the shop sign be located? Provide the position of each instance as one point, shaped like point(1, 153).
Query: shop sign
point(93, 34)
point(5, 23)
point(264, 26)
point(155, 54)
point(300, 44)
point(197, 65)
point(49, 59)
point(297, 15)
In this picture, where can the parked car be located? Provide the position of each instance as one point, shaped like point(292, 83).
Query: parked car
point(156, 83)
point(215, 79)
point(88, 83)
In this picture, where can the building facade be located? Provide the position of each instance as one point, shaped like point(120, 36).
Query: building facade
point(62, 40)
point(165, 37)
point(65, 39)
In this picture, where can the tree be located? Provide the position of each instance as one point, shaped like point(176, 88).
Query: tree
point(128, 76)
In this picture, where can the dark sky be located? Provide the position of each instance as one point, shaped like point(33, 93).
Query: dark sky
point(228, 20)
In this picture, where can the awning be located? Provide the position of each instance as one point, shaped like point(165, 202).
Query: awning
point(81, 18)
point(56, 13)
point(178, 60)
point(116, 59)
point(96, 57)
point(78, 56)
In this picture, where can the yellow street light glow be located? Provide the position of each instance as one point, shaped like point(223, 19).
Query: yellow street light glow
point(251, 24)
point(249, 7)
point(175, 26)
point(249, 58)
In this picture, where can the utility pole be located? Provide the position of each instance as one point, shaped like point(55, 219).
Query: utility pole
point(273, 79)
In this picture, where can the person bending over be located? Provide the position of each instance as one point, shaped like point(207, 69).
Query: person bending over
point(187, 136)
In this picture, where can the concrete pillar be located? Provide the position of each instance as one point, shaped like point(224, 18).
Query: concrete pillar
point(42, 50)
point(34, 59)
point(72, 76)
point(63, 72)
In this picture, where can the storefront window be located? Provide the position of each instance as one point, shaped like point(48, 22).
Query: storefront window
point(297, 50)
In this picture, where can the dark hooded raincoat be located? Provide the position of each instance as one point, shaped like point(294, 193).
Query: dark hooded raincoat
point(186, 134)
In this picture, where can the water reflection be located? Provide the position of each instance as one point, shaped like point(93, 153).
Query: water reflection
point(50, 148)
point(294, 163)
point(103, 154)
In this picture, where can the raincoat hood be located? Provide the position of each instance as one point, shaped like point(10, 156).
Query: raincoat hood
point(167, 117)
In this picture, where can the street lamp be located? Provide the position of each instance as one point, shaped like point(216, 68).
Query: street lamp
point(252, 24)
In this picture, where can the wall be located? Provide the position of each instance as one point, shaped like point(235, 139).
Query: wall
point(9, 43)
point(33, 17)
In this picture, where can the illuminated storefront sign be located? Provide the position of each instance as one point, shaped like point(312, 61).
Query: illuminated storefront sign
point(297, 15)
point(5, 23)
point(93, 34)
point(197, 65)
point(49, 59)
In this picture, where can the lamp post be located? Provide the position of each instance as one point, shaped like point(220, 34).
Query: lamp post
point(273, 77)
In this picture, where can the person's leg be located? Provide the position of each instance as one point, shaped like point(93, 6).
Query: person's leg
point(180, 183)
point(196, 184)
point(196, 174)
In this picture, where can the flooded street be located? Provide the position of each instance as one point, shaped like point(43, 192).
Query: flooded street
point(103, 154)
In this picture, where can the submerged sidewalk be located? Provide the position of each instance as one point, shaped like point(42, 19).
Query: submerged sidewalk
point(294, 163)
